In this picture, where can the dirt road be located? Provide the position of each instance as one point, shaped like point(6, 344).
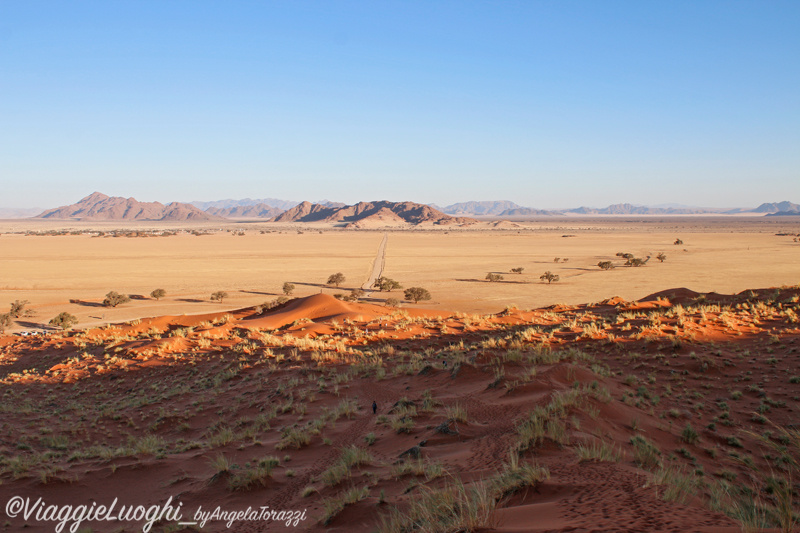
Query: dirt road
point(377, 266)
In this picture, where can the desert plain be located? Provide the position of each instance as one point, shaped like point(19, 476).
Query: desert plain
point(655, 398)
point(718, 254)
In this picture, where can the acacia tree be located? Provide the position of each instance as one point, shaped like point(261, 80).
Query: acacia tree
point(605, 265)
point(336, 279)
point(677, 242)
point(288, 288)
point(355, 294)
point(18, 308)
point(417, 294)
point(5, 321)
point(517, 270)
point(63, 320)
point(218, 296)
point(549, 277)
point(113, 299)
point(384, 284)
point(158, 294)
point(491, 276)
point(392, 302)
point(661, 257)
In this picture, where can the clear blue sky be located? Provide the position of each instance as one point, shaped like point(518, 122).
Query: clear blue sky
point(547, 103)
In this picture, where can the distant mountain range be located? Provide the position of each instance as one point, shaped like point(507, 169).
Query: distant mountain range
point(98, 206)
point(246, 211)
point(485, 208)
point(365, 214)
point(13, 212)
point(779, 208)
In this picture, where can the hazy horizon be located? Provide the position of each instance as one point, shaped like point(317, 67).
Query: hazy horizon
point(546, 104)
point(295, 201)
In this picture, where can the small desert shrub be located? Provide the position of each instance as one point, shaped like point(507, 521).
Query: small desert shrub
point(451, 508)
point(689, 434)
point(645, 453)
point(294, 438)
point(334, 506)
point(457, 412)
point(600, 451)
point(257, 475)
point(403, 424)
point(515, 477)
point(680, 486)
point(351, 456)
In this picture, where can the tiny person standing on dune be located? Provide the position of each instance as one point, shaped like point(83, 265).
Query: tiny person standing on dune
point(374, 407)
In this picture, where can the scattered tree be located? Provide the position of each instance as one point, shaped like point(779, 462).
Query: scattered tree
point(624, 255)
point(354, 295)
point(661, 257)
point(18, 308)
point(288, 288)
point(336, 279)
point(5, 321)
point(491, 276)
point(517, 270)
point(280, 300)
point(549, 277)
point(114, 299)
point(678, 242)
point(392, 302)
point(606, 265)
point(158, 294)
point(218, 296)
point(416, 294)
point(64, 320)
point(636, 262)
point(384, 284)
point(556, 260)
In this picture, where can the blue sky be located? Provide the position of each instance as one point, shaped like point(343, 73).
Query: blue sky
point(547, 103)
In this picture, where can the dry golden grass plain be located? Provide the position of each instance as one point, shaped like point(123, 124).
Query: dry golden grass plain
point(721, 254)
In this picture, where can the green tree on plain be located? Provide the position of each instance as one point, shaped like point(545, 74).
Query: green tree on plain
point(417, 294)
point(113, 299)
point(288, 288)
point(549, 277)
point(64, 320)
point(336, 279)
point(218, 296)
point(18, 308)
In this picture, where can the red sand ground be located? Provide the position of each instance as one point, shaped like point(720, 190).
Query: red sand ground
point(187, 406)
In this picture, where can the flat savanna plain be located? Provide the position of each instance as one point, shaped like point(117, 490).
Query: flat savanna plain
point(73, 272)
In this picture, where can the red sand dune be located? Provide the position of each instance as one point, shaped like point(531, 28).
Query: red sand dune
point(193, 407)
